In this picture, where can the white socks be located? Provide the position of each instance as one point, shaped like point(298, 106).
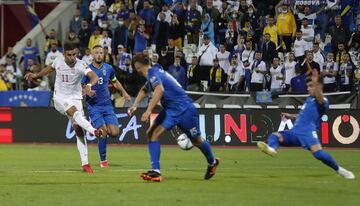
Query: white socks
point(82, 147)
point(82, 122)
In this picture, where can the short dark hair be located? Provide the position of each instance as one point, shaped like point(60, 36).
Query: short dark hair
point(96, 46)
point(141, 58)
point(69, 46)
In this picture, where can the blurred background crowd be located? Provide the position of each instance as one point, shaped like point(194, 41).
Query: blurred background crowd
point(209, 45)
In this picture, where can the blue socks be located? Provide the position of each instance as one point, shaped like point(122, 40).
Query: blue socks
point(102, 148)
point(206, 150)
point(273, 141)
point(326, 159)
point(154, 150)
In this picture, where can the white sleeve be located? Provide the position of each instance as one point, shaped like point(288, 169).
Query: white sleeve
point(47, 60)
point(53, 65)
point(83, 68)
point(262, 66)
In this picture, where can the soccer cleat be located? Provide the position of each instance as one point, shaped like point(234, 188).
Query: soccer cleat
point(99, 133)
point(346, 173)
point(211, 169)
point(87, 168)
point(151, 175)
point(266, 149)
point(104, 164)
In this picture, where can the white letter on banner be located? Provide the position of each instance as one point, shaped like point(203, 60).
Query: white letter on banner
point(216, 126)
point(132, 125)
point(285, 122)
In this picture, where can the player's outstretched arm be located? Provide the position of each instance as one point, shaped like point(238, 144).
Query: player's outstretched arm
point(44, 72)
point(318, 93)
point(288, 115)
point(157, 94)
point(141, 95)
point(120, 88)
point(93, 80)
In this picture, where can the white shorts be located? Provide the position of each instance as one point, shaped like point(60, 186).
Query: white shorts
point(62, 104)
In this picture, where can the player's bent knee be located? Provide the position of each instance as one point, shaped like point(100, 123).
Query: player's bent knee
point(78, 130)
point(197, 141)
point(279, 135)
point(71, 111)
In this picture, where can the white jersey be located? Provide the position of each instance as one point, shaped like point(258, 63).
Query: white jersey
point(329, 67)
point(51, 56)
point(276, 72)
point(224, 60)
point(235, 73)
point(289, 71)
point(299, 47)
point(257, 77)
point(68, 79)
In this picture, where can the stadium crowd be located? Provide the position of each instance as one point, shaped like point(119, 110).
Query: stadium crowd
point(209, 45)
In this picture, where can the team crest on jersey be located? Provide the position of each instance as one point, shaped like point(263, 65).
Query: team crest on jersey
point(152, 80)
point(104, 72)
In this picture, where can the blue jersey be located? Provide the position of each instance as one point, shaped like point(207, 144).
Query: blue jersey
point(174, 100)
point(309, 118)
point(102, 97)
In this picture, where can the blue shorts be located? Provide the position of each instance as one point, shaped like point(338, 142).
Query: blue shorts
point(304, 139)
point(102, 115)
point(188, 121)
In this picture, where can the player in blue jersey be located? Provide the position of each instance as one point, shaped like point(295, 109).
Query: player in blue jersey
point(100, 108)
point(304, 132)
point(178, 110)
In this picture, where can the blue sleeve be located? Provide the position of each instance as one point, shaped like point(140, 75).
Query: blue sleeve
point(154, 79)
point(112, 73)
point(85, 80)
point(322, 108)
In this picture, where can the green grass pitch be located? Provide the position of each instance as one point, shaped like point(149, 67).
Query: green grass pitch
point(50, 175)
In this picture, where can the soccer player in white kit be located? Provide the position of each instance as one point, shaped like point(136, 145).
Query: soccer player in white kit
point(68, 95)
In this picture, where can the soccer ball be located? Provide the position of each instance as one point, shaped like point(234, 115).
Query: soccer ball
point(184, 142)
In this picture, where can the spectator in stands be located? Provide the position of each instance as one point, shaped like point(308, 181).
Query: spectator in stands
point(53, 54)
point(218, 78)
point(289, 66)
point(247, 57)
point(4, 79)
point(183, 61)
point(30, 52)
point(318, 55)
point(339, 34)
point(307, 14)
point(329, 71)
point(298, 83)
point(121, 34)
point(355, 39)
point(95, 7)
point(167, 12)
point(211, 11)
point(224, 58)
point(95, 38)
point(84, 36)
point(35, 84)
point(177, 31)
point(299, 47)
point(87, 58)
point(155, 61)
point(107, 56)
point(272, 31)
point(161, 31)
point(30, 63)
point(121, 56)
point(193, 75)
point(123, 13)
point(221, 23)
point(206, 55)
point(101, 17)
point(286, 26)
point(258, 70)
point(148, 14)
point(10, 53)
point(309, 59)
point(346, 73)
point(178, 72)
point(106, 41)
point(75, 23)
point(192, 23)
point(50, 38)
point(308, 34)
point(141, 38)
point(71, 38)
point(207, 28)
point(268, 50)
point(235, 76)
point(341, 49)
point(14, 73)
point(231, 37)
point(115, 6)
point(277, 77)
